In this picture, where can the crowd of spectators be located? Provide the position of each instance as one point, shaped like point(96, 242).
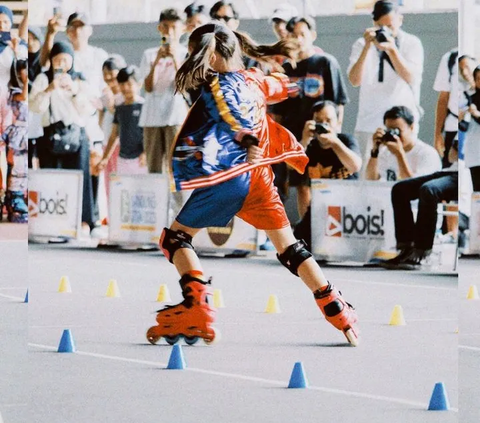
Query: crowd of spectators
point(127, 117)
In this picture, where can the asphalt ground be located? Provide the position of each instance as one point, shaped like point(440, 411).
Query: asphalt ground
point(116, 376)
point(469, 342)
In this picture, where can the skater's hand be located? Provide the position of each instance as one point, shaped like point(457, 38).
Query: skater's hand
point(254, 154)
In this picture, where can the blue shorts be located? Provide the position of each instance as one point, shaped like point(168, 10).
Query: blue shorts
point(252, 196)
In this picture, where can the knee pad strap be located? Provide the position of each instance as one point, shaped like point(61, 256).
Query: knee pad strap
point(171, 241)
point(294, 256)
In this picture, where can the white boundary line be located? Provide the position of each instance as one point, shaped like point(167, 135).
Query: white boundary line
point(466, 347)
point(252, 379)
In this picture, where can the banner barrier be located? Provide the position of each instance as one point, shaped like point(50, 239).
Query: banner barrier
point(238, 238)
point(55, 203)
point(474, 245)
point(352, 221)
point(138, 208)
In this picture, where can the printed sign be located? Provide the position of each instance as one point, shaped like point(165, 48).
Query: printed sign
point(138, 207)
point(55, 202)
point(351, 220)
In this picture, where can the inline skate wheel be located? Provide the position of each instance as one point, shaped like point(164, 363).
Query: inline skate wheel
point(191, 340)
point(172, 340)
point(352, 337)
point(151, 337)
point(215, 337)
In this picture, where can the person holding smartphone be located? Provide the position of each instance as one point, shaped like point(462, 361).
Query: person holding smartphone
point(11, 47)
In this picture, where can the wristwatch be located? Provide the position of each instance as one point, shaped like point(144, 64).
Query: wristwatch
point(374, 153)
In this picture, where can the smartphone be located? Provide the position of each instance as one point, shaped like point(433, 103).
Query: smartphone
point(5, 36)
point(57, 73)
point(165, 41)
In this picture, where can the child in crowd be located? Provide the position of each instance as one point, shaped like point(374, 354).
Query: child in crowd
point(15, 138)
point(125, 129)
point(111, 97)
point(224, 152)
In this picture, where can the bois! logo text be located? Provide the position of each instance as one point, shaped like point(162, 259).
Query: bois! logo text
point(39, 204)
point(343, 222)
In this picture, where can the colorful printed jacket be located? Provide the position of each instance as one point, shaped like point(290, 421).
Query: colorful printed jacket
point(207, 152)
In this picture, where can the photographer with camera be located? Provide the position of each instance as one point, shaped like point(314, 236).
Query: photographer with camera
point(332, 155)
point(387, 65)
point(415, 237)
point(397, 153)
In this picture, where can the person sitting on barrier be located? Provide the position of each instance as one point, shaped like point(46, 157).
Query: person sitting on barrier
point(223, 152)
point(397, 153)
point(331, 155)
point(415, 239)
point(131, 160)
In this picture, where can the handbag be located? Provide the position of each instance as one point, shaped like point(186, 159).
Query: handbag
point(63, 139)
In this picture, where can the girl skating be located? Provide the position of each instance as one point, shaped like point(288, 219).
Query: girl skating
point(224, 152)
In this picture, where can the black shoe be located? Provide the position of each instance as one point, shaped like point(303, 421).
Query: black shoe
point(411, 261)
point(392, 263)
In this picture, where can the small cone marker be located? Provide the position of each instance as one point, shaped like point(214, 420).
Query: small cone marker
point(272, 305)
point(67, 345)
point(298, 379)
point(439, 400)
point(397, 318)
point(456, 330)
point(112, 290)
point(25, 301)
point(218, 299)
point(163, 294)
point(177, 360)
point(472, 293)
point(64, 285)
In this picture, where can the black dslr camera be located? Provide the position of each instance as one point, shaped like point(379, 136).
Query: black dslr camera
point(321, 128)
point(389, 135)
point(383, 34)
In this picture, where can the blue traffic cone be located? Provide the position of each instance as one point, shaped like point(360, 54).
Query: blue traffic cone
point(177, 360)
point(66, 343)
point(298, 378)
point(26, 297)
point(439, 400)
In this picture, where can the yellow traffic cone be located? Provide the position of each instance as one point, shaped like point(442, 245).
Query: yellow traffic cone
point(397, 318)
point(64, 285)
point(472, 293)
point(112, 290)
point(163, 294)
point(272, 305)
point(457, 331)
point(218, 299)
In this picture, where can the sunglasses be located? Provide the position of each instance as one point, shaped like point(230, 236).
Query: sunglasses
point(224, 18)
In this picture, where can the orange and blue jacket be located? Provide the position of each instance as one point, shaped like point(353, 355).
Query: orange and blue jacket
point(207, 149)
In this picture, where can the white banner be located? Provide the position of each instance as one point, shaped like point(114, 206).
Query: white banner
point(55, 202)
point(474, 245)
point(138, 208)
point(352, 220)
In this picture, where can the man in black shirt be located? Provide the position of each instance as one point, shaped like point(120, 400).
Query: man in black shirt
point(332, 155)
point(319, 78)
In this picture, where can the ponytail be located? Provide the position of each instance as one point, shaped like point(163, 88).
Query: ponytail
point(195, 71)
point(263, 53)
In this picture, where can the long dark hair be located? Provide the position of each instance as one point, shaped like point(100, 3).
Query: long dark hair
point(213, 37)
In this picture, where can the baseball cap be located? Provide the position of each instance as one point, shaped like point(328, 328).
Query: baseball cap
point(78, 17)
point(284, 12)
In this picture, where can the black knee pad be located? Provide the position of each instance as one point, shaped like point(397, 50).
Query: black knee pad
point(294, 256)
point(171, 241)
